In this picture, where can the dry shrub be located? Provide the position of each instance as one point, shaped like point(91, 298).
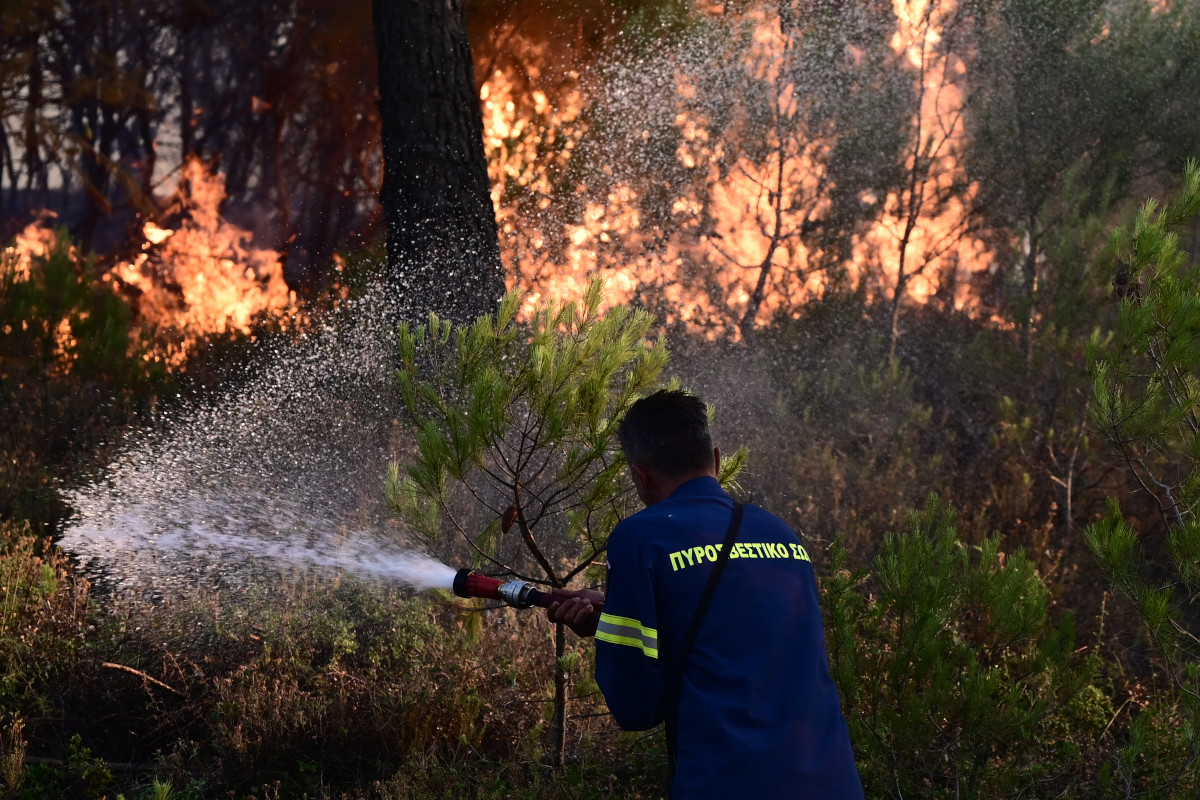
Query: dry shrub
point(42, 609)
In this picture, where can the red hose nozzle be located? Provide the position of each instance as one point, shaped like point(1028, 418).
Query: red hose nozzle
point(472, 584)
point(517, 594)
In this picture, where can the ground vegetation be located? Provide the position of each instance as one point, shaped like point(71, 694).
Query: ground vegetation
point(995, 473)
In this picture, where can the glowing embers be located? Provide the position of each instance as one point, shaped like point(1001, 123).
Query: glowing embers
point(205, 276)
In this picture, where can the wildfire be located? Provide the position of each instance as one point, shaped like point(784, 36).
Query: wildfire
point(200, 278)
point(709, 250)
point(35, 241)
point(940, 257)
point(205, 276)
point(722, 260)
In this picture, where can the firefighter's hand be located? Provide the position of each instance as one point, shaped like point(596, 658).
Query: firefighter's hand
point(579, 610)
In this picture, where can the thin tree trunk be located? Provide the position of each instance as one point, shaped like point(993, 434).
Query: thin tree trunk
point(187, 117)
point(33, 150)
point(558, 726)
point(1026, 301)
point(764, 269)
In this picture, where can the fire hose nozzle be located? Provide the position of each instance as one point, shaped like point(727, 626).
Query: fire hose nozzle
point(518, 594)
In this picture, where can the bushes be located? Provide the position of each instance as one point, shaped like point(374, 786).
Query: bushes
point(344, 678)
point(954, 679)
point(345, 685)
point(306, 688)
point(41, 624)
point(860, 441)
point(1147, 407)
point(42, 614)
point(954, 676)
point(73, 370)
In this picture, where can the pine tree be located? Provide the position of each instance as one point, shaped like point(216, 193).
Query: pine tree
point(524, 416)
point(1147, 389)
point(955, 680)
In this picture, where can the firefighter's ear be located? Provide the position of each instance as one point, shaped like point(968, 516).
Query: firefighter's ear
point(645, 481)
point(716, 462)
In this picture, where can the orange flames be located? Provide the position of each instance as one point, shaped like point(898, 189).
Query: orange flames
point(205, 276)
point(708, 269)
point(721, 260)
point(940, 256)
point(35, 241)
point(200, 278)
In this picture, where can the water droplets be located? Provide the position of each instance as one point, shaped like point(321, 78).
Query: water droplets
point(282, 473)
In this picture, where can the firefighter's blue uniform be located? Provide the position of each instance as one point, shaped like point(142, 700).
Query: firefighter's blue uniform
point(759, 715)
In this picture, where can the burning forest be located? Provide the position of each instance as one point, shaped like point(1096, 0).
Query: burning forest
point(933, 263)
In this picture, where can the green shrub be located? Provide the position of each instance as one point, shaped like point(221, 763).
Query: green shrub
point(857, 440)
point(73, 370)
point(1147, 407)
point(42, 612)
point(955, 682)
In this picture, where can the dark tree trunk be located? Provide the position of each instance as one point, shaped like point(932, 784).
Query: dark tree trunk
point(187, 117)
point(443, 246)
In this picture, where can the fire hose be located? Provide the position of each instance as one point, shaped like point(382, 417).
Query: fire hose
point(521, 594)
point(516, 593)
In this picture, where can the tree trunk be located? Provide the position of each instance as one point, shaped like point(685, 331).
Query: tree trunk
point(1027, 298)
point(443, 245)
point(558, 725)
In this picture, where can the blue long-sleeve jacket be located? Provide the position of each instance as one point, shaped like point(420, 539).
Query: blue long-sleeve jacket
point(758, 714)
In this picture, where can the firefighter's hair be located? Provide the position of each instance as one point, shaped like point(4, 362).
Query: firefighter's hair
point(668, 432)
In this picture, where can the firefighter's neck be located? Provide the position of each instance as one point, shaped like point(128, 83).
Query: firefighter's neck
point(653, 487)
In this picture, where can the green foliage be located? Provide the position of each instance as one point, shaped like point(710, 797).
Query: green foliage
point(338, 677)
point(1071, 101)
point(1147, 405)
point(524, 416)
point(954, 680)
point(335, 687)
point(161, 790)
point(41, 610)
point(94, 775)
point(519, 422)
point(1153, 759)
point(72, 368)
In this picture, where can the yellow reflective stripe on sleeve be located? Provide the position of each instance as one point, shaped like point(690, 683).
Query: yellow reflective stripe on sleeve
point(630, 632)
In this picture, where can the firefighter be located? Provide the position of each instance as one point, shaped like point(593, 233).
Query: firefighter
point(734, 665)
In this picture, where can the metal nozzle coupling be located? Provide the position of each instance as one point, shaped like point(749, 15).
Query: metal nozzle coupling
point(519, 594)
